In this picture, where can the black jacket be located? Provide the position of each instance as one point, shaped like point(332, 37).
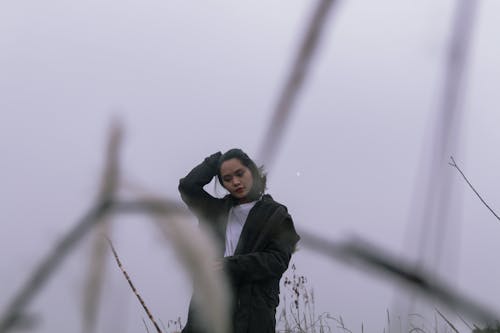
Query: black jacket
point(263, 252)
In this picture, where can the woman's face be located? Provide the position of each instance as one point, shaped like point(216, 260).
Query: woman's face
point(236, 178)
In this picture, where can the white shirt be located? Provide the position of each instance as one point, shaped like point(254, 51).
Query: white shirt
point(236, 220)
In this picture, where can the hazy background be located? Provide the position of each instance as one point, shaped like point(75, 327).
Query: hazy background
point(189, 78)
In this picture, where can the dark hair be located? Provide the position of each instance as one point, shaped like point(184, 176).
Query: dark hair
point(258, 174)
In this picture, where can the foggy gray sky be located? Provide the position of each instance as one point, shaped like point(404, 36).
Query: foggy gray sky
point(192, 78)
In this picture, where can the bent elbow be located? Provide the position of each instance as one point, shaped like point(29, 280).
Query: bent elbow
point(184, 186)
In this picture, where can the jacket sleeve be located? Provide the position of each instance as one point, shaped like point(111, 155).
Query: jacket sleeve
point(191, 186)
point(269, 263)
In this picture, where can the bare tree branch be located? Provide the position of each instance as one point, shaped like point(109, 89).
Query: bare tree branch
point(455, 165)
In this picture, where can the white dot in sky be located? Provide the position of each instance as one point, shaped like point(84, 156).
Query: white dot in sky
point(298, 173)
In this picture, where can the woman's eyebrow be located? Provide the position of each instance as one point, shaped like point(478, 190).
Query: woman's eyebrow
point(230, 174)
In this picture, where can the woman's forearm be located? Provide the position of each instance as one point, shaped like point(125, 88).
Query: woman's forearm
point(191, 186)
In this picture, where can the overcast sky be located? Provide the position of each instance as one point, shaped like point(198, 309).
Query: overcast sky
point(189, 78)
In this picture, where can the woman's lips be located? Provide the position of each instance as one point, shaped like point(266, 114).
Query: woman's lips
point(240, 190)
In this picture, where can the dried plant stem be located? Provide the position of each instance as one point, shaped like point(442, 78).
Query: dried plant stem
point(341, 324)
point(144, 306)
point(107, 203)
point(432, 213)
point(145, 325)
point(49, 264)
point(196, 249)
point(360, 252)
point(447, 321)
point(465, 322)
point(417, 329)
point(388, 321)
point(436, 219)
point(455, 165)
point(95, 276)
point(295, 81)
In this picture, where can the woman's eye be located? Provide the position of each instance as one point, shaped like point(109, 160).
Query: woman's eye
point(239, 173)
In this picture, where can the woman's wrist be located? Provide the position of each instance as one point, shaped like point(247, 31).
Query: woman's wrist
point(213, 160)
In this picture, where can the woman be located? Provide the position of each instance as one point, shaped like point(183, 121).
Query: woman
point(255, 233)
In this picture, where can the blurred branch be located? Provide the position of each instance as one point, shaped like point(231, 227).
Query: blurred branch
point(455, 165)
point(360, 252)
point(95, 276)
point(294, 83)
point(49, 264)
point(196, 253)
point(144, 306)
point(107, 191)
point(431, 216)
point(446, 134)
point(155, 206)
point(196, 248)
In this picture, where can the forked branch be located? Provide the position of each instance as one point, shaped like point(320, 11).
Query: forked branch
point(46, 268)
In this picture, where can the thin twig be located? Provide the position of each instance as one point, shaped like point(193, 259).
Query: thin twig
point(417, 329)
point(163, 325)
point(145, 325)
point(454, 164)
point(341, 325)
point(465, 322)
point(447, 321)
point(144, 306)
point(388, 321)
